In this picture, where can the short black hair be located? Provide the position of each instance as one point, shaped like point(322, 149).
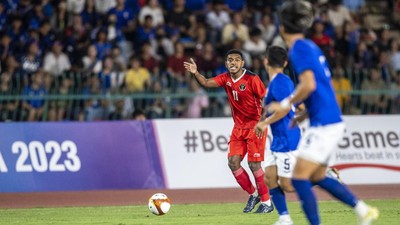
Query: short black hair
point(277, 56)
point(234, 51)
point(296, 16)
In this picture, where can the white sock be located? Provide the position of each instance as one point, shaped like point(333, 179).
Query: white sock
point(268, 202)
point(285, 217)
point(255, 194)
point(361, 209)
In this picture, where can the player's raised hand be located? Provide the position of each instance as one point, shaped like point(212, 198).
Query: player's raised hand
point(190, 66)
point(260, 129)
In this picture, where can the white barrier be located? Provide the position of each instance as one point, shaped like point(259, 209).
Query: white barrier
point(194, 151)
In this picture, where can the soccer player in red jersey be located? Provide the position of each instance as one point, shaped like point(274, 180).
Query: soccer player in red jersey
point(245, 92)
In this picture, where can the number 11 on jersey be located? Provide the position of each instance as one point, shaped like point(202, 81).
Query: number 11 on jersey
point(235, 95)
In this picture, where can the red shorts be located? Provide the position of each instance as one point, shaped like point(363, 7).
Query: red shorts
point(245, 141)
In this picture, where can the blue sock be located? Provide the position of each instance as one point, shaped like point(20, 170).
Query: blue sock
point(338, 191)
point(279, 200)
point(307, 199)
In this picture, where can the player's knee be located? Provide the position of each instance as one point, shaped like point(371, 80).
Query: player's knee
point(270, 180)
point(287, 187)
point(234, 164)
point(318, 176)
point(254, 166)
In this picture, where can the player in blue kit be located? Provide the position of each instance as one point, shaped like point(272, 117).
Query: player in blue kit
point(280, 163)
point(319, 142)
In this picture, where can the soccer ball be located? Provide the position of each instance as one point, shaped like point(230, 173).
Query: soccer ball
point(159, 204)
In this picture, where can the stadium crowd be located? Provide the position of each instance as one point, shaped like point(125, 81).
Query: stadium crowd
point(78, 50)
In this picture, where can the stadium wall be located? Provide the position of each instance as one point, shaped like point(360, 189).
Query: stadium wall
point(169, 153)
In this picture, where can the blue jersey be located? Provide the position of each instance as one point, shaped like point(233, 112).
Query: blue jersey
point(321, 105)
point(284, 139)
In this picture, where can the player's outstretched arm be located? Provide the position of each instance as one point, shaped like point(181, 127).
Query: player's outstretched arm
point(192, 68)
point(262, 125)
point(306, 86)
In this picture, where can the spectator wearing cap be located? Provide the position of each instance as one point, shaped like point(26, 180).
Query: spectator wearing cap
point(56, 62)
point(153, 9)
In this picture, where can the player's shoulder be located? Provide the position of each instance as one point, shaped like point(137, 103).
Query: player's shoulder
point(223, 75)
point(281, 77)
point(304, 45)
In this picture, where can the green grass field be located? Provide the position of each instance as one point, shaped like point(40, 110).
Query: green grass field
point(332, 213)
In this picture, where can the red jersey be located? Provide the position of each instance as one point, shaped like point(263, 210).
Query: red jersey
point(245, 95)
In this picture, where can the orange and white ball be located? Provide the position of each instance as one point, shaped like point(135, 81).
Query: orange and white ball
point(159, 204)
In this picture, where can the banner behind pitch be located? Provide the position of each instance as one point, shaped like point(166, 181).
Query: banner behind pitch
point(194, 152)
point(78, 156)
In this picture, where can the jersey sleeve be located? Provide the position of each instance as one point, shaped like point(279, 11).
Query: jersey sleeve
point(302, 57)
point(220, 79)
point(258, 87)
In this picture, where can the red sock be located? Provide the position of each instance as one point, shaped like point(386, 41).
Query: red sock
point(261, 186)
point(243, 180)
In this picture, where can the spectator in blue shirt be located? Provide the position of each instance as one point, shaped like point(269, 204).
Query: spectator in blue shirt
point(146, 32)
point(35, 106)
point(125, 17)
point(103, 47)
